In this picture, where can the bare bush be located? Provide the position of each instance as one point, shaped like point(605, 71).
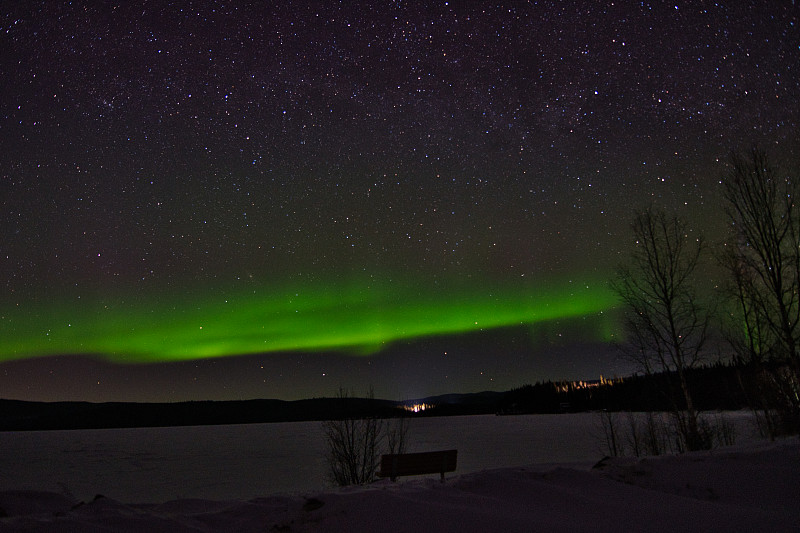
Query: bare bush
point(355, 442)
point(655, 435)
point(396, 435)
point(723, 430)
point(353, 445)
point(649, 433)
point(646, 434)
point(609, 426)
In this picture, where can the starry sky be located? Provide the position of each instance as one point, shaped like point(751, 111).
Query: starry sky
point(224, 200)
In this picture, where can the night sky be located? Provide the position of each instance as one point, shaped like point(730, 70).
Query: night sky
point(222, 200)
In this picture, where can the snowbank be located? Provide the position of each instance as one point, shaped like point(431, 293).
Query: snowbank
point(746, 488)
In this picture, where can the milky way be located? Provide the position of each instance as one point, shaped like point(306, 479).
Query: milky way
point(231, 179)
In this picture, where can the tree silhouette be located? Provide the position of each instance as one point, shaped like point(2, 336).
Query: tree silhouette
point(764, 262)
point(353, 443)
point(666, 327)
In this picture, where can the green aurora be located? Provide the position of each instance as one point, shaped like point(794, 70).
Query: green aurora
point(355, 317)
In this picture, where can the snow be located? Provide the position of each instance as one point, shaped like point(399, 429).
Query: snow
point(215, 479)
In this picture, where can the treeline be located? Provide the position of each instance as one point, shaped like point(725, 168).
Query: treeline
point(716, 387)
point(26, 416)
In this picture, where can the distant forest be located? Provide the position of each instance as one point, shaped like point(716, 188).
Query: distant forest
point(717, 387)
point(720, 386)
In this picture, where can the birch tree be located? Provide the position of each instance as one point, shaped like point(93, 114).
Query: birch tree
point(665, 324)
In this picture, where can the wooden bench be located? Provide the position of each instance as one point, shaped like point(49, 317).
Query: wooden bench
point(415, 464)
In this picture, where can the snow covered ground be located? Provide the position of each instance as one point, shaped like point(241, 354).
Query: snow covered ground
point(247, 461)
point(271, 477)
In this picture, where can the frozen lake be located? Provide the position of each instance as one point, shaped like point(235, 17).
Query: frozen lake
point(245, 461)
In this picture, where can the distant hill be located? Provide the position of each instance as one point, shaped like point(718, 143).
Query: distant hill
point(19, 415)
point(716, 387)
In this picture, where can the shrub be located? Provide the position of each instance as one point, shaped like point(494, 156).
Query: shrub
point(355, 442)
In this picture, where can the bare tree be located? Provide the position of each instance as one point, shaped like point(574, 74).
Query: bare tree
point(666, 325)
point(764, 263)
point(760, 206)
point(353, 444)
point(749, 335)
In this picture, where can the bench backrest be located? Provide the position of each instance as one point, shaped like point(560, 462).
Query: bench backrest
point(413, 464)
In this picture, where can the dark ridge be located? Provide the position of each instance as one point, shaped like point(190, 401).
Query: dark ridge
point(718, 386)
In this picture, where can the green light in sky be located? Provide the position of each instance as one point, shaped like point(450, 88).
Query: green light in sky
point(355, 317)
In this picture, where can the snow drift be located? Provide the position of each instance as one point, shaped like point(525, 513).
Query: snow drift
point(743, 488)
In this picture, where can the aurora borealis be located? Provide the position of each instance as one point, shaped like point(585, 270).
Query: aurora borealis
point(225, 200)
point(312, 318)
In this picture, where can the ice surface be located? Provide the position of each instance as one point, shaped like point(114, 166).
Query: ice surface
point(248, 461)
point(744, 488)
point(228, 478)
